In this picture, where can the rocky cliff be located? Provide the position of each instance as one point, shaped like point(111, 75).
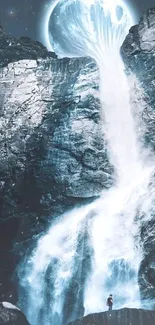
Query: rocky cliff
point(12, 49)
point(138, 52)
point(124, 316)
point(52, 148)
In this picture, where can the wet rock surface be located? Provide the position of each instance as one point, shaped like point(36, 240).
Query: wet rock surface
point(138, 52)
point(124, 316)
point(52, 147)
point(147, 267)
point(11, 315)
point(53, 152)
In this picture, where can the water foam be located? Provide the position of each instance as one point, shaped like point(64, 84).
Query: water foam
point(97, 29)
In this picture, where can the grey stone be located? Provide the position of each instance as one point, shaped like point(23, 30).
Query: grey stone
point(12, 49)
point(49, 126)
point(52, 149)
point(138, 52)
point(124, 316)
point(11, 315)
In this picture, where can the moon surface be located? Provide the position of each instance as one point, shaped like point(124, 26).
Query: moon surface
point(75, 28)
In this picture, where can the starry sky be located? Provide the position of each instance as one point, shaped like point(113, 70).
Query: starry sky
point(25, 17)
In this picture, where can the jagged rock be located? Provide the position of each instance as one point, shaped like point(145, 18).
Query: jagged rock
point(147, 267)
point(124, 316)
point(11, 315)
point(138, 52)
point(53, 154)
point(12, 49)
point(52, 144)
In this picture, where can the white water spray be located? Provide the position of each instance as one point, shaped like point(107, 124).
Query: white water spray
point(95, 28)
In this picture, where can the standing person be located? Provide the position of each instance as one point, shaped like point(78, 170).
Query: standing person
point(110, 302)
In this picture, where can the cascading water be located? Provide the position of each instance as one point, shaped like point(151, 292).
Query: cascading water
point(101, 237)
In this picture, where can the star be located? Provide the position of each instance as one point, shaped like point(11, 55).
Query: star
point(46, 5)
point(11, 12)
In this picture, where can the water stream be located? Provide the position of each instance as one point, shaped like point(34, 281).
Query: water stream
point(94, 250)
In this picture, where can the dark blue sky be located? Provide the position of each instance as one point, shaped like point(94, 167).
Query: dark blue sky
point(25, 17)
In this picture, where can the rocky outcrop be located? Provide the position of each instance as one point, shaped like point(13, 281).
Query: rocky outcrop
point(52, 144)
point(11, 315)
point(138, 51)
point(124, 316)
point(12, 49)
point(147, 267)
point(52, 148)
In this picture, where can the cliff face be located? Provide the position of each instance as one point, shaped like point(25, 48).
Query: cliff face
point(52, 148)
point(51, 144)
point(138, 51)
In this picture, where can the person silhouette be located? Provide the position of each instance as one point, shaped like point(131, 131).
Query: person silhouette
point(110, 302)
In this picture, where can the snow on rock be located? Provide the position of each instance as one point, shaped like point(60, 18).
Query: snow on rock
point(11, 315)
point(9, 305)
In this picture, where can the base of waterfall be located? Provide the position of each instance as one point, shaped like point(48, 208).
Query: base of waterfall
point(125, 316)
point(11, 315)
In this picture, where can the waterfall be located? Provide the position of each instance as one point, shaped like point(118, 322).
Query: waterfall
point(94, 250)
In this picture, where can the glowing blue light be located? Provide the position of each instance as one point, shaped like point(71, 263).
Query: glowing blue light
point(46, 24)
point(86, 21)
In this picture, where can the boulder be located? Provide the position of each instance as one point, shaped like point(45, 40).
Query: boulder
point(11, 315)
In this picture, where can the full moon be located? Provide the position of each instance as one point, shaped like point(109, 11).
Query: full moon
point(84, 28)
